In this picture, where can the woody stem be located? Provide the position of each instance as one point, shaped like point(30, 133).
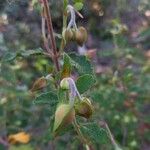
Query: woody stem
point(50, 32)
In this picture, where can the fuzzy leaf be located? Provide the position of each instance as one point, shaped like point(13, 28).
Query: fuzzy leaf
point(28, 53)
point(47, 98)
point(9, 56)
point(85, 82)
point(81, 63)
point(95, 133)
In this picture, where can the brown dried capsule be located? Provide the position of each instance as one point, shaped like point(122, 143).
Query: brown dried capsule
point(81, 35)
point(84, 108)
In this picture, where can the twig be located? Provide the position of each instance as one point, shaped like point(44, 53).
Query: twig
point(104, 124)
point(84, 141)
point(51, 33)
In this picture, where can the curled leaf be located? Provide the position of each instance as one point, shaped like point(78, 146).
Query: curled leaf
point(20, 137)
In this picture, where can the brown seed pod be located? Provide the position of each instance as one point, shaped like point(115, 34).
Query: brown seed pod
point(84, 108)
point(81, 35)
point(68, 35)
point(40, 83)
point(64, 115)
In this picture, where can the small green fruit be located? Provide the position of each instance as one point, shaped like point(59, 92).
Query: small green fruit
point(64, 115)
point(64, 84)
point(81, 36)
point(84, 108)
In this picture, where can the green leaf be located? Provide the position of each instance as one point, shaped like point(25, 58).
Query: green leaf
point(78, 6)
point(81, 63)
point(9, 56)
point(7, 73)
point(78, 1)
point(47, 98)
point(95, 133)
point(21, 147)
point(66, 71)
point(65, 3)
point(28, 53)
point(85, 82)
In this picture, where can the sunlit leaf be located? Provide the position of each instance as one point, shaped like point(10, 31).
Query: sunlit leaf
point(78, 6)
point(20, 137)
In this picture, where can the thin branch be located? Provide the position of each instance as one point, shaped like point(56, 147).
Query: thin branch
point(104, 124)
point(83, 139)
point(51, 33)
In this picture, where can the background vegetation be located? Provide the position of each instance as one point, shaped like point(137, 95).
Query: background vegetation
point(119, 49)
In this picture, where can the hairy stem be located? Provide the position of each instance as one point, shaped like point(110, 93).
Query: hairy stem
point(50, 32)
point(63, 44)
point(83, 139)
point(116, 146)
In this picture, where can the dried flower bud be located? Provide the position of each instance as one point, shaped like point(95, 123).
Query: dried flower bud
point(84, 108)
point(40, 83)
point(64, 115)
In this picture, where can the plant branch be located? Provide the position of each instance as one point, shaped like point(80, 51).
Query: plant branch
point(104, 124)
point(84, 141)
point(51, 33)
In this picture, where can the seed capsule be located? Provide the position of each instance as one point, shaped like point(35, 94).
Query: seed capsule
point(64, 115)
point(81, 36)
point(68, 35)
point(84, 108)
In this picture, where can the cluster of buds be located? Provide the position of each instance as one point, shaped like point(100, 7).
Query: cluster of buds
point(77, 105)
point(72, 32)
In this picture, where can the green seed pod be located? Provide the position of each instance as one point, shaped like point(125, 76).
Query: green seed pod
point(81, 36)
point(64, 84)
point(84, 108)
point(64, 116)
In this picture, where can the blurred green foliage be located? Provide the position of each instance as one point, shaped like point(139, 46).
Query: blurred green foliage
point(121, 94)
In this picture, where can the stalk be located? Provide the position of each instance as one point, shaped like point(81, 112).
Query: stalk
point(50, 33)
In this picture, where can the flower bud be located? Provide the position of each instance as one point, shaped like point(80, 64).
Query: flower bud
point(64, 115)
point(64, 84)
point(81, 36)
point(84, 108)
